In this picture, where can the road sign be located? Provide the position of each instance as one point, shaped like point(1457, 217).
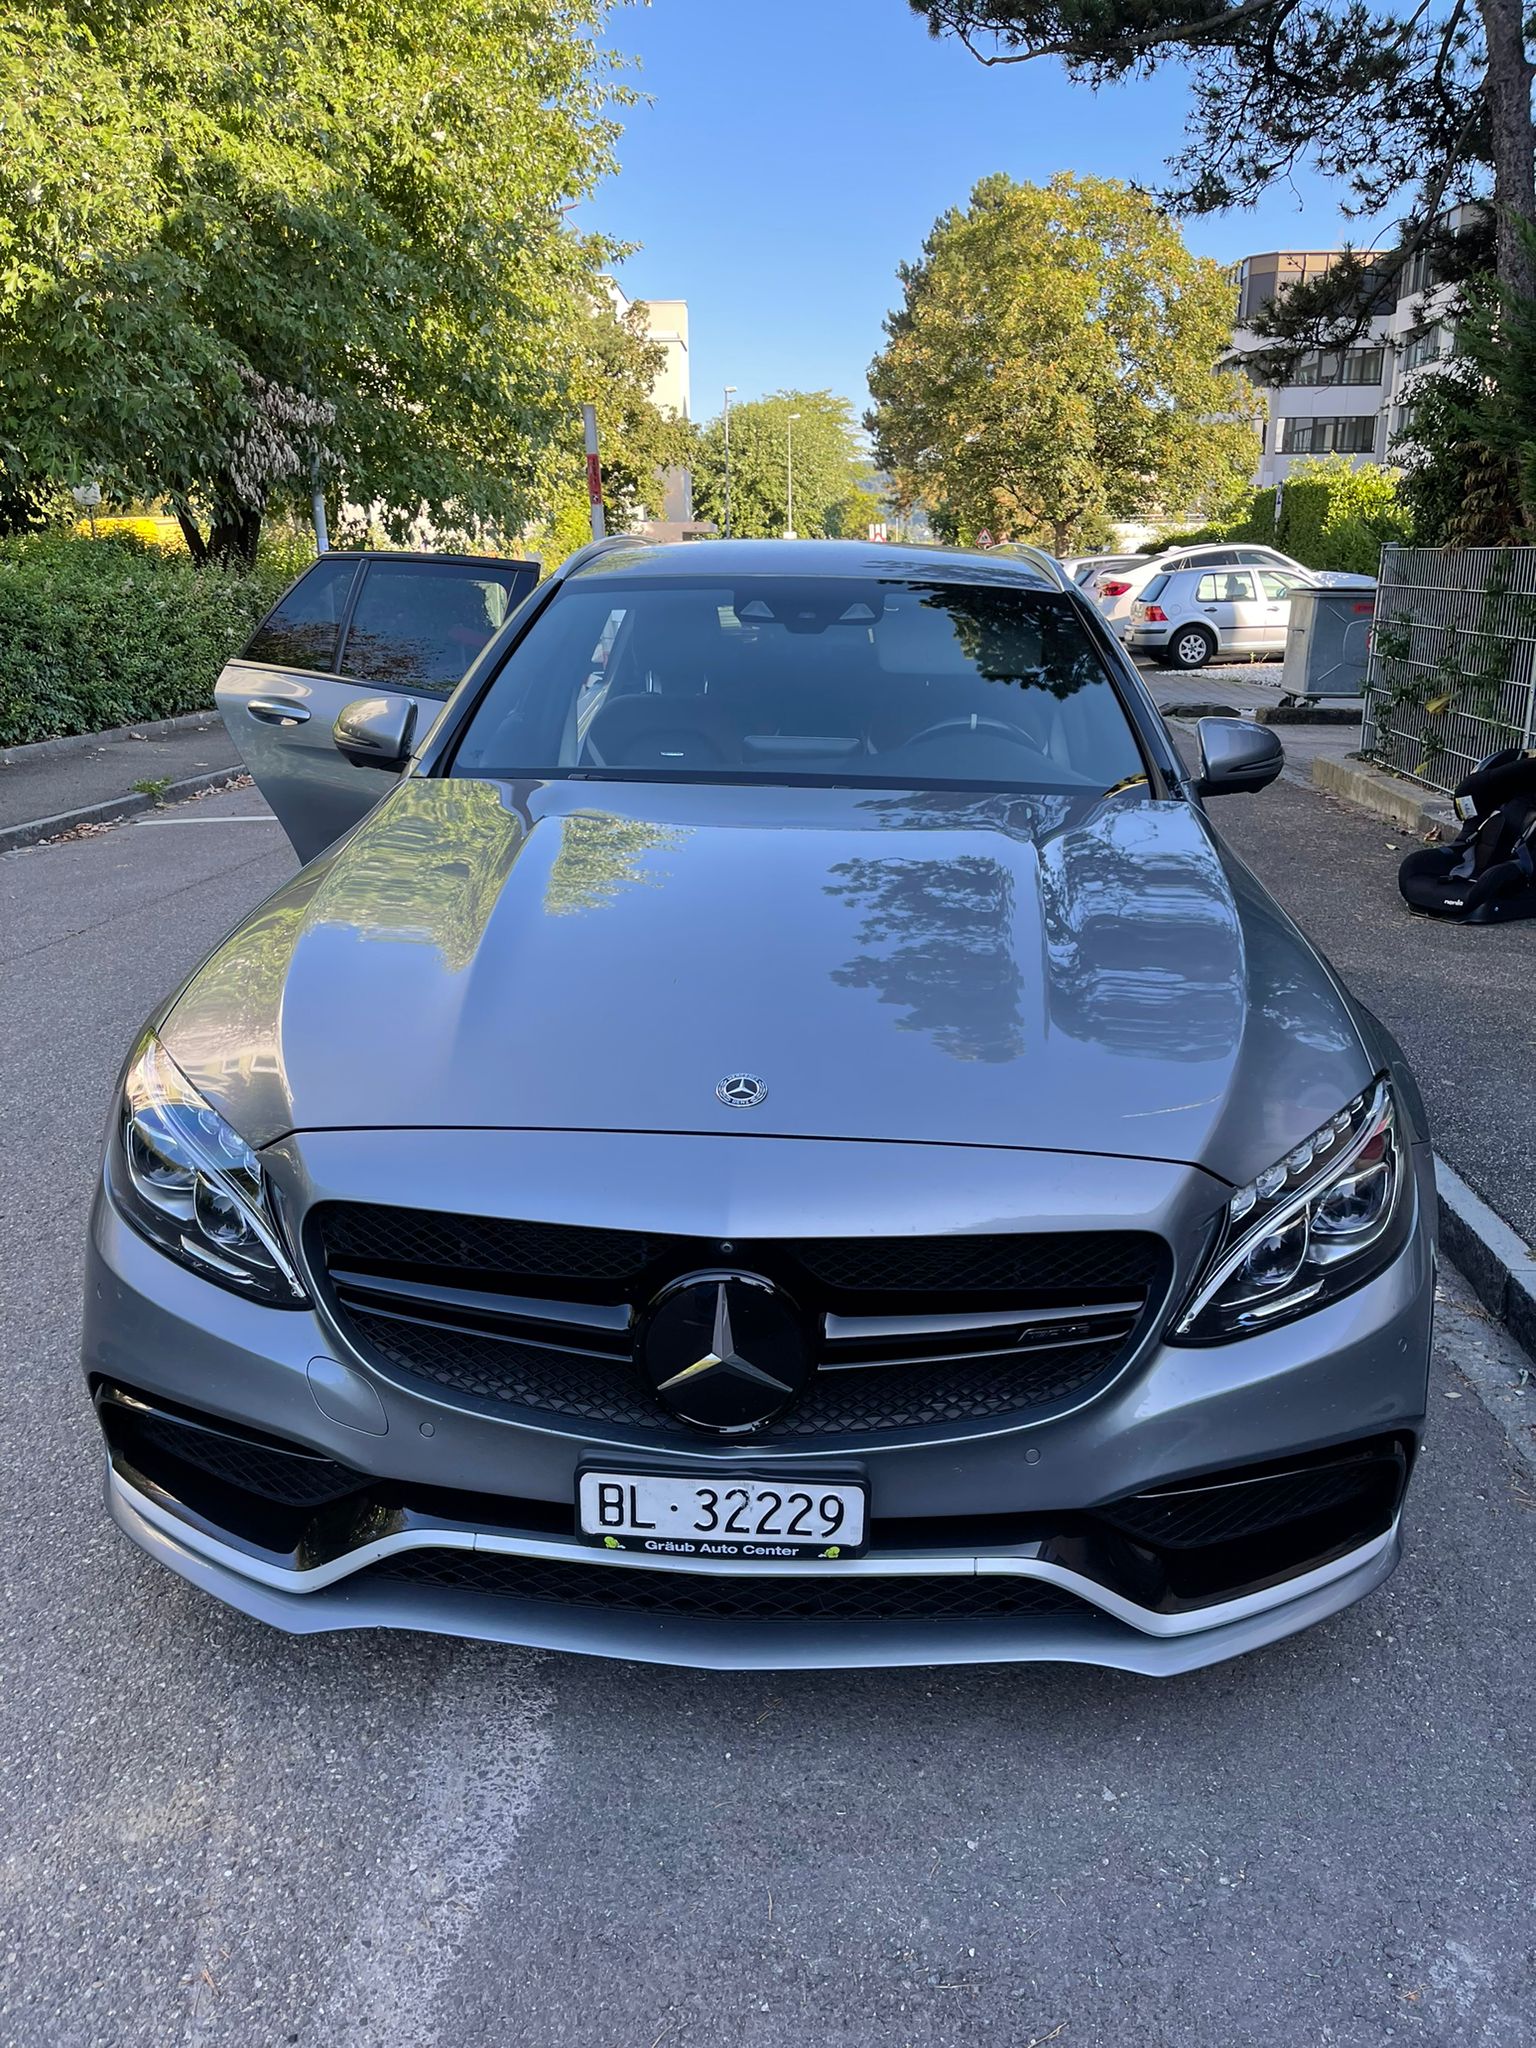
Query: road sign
point(983, 539)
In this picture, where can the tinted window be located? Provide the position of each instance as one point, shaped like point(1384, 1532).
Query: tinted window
point(303, 631)
point(419, 625)
point(869, 682)
point(1154, 589)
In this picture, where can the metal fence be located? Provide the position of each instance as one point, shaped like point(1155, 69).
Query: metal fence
point(1453, 660)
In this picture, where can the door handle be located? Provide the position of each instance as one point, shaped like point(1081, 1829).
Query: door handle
point(276, 711)
point(1209, 610)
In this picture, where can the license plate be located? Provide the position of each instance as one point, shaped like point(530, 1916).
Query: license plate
point(720, 1518)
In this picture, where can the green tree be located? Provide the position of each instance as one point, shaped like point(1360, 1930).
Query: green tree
point(638, 439)
point(1050, 367)
point(250, 238)
point(827, 456)
point(1431, 99)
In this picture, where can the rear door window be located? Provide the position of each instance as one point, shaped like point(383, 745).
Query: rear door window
point(419, 625)
point(1230, 586)
point(304, 630)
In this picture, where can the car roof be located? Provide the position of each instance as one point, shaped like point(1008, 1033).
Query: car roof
point(888, 561)
point(1223, 547)
point(428, 555)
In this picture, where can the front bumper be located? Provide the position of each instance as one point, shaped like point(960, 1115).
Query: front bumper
point(1008, 1525)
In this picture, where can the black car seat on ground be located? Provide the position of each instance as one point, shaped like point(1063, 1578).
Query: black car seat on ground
point(1487, 875)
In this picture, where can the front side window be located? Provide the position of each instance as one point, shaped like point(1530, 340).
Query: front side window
point(878, 683)
point(304, 630)
point(419, 625)
point(1277, 585)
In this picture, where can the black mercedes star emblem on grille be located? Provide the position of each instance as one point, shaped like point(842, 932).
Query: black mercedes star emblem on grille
point(724, 1351)
point(741, 1091)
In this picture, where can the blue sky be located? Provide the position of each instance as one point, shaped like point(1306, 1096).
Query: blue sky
point(797, 150)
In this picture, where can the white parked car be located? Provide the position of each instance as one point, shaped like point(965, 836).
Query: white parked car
point(1186, 617)
point(1083, 569)
point(1116, 591)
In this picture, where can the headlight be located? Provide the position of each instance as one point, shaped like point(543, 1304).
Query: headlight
point(1319, 1222)
point(192, 1185)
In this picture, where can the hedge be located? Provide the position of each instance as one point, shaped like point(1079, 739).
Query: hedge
point(1331, 517)
point(96, 633)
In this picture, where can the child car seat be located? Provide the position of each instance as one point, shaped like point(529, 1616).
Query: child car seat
point(1487, 875)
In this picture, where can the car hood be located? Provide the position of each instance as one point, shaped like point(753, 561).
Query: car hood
point(1042, 972)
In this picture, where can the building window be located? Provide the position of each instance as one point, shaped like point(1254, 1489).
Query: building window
point(1335, 366)
point(1427, 346)
point(1362, 366)
point(1355, 436)
point(1352, 436)
point(1421, 274)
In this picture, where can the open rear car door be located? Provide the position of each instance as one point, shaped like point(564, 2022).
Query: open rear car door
point(386, 637)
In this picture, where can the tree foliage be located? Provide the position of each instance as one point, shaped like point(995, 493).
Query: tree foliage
point(827, 458)
point(248, 238)
point(1426, 98)
point(1050, 367)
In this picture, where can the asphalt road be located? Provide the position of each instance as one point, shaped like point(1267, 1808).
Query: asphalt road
point(1460, 999)
point(210, 1833)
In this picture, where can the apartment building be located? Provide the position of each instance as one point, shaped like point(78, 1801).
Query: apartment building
point(666, 323)
point(1357, 401)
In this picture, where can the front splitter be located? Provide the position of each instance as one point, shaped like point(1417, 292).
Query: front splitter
point(719, 1644)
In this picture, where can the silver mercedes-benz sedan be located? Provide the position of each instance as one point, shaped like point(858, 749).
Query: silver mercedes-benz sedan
point(785, 1138)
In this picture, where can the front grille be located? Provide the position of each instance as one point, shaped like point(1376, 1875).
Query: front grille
point(856, 1597)
point(537, 1317)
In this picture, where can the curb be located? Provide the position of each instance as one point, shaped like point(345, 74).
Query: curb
point(1307, 714)
point(1497, 1264)
point(115, 810)
point(83, 742)
point(1369, 789)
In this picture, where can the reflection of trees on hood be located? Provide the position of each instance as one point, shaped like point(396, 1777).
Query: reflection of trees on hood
point(1144, 952)
point(600, 854)
point(1025, 818)
point(427, 868)
point(938, 941)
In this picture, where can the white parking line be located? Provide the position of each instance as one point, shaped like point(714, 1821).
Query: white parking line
point(235, 818)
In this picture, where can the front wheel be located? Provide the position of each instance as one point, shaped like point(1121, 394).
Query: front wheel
point(1191, 647)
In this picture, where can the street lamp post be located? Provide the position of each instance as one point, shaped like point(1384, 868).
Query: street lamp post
point(730, 393)
point(789, 465)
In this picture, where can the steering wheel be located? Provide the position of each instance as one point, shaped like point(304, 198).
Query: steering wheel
point(975, 724)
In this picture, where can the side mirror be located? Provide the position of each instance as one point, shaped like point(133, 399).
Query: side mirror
point(375, 732)
point(1236, 755)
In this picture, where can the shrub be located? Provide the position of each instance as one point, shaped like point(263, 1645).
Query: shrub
point(1331, 517)
point(1336, 517)
point(96, 633)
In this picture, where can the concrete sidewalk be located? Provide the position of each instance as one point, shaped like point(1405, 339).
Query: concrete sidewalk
point(56, 781)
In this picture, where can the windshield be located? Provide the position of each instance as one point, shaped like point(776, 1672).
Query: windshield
point(894, 684)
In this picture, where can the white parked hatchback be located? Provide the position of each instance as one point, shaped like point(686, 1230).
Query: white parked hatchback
point(1116, 591)
point(1184, 618)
